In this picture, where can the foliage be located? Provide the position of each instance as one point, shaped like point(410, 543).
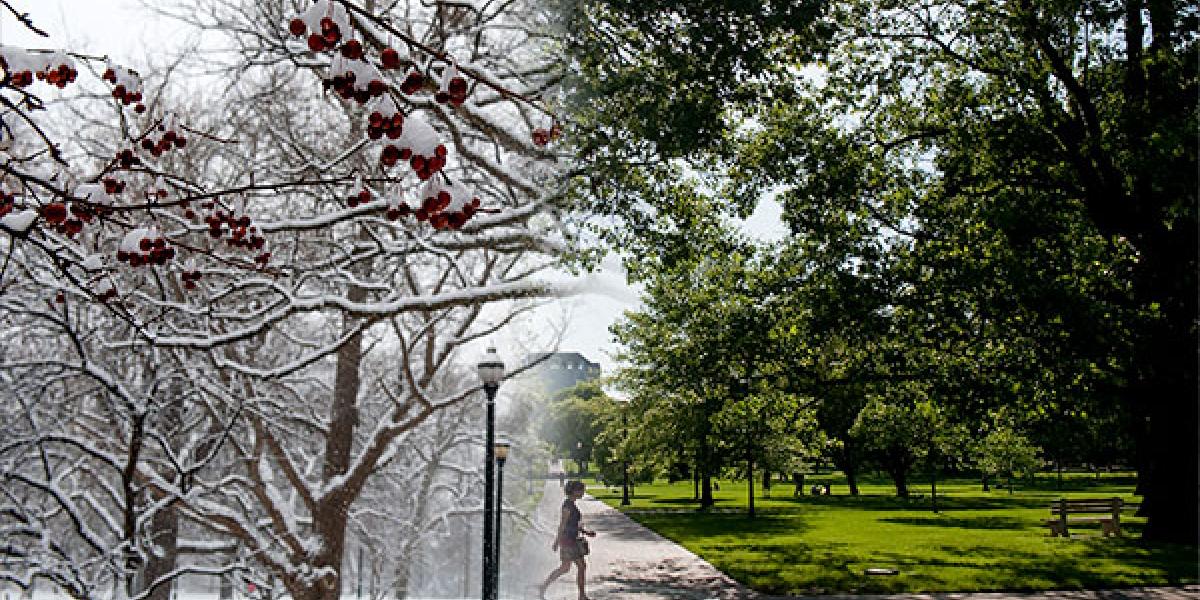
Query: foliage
point(1004, 451)
point(997, 195)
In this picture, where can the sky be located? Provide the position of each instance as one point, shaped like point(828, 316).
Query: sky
point(126, 31)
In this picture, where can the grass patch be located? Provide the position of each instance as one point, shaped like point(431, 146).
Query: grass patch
point(978, 541)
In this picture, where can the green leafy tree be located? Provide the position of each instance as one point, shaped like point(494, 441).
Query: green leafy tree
point(575, 418)
point(1006, 452)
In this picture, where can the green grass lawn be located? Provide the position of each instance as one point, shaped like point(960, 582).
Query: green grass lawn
point(979, 541)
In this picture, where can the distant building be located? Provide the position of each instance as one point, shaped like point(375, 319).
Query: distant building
point(558, 371)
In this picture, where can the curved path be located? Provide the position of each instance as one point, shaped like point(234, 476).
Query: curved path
point(631, 562)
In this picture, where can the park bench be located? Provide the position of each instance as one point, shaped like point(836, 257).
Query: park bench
point(1105, 511)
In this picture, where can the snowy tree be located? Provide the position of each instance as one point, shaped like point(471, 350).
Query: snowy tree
point(215, 280)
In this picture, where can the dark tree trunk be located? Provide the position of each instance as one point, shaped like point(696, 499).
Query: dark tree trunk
point(847, 461)
point(900, 479)
point(164, 534)
point(798, 482)
point(750, 483)
point(332, 512)
point(933, 488)
point(706, 469)
point(987, 482)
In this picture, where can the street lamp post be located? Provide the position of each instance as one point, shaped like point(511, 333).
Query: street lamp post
point(491, 371)
point(501, 451)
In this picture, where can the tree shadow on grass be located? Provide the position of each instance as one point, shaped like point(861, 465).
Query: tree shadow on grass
point(881, 502)
point(978, 522)
point(836, 567)
point(1013, 570)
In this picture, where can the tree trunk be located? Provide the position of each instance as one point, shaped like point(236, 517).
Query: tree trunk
point(164, 535)
point(933, 488)
point(900, 478)
point(766, 483)
point(798, 482)
point(332, 512)
point(706, 488)
point(750, 483)
point(1058, 467)
point(848, 463)
point(987, 484)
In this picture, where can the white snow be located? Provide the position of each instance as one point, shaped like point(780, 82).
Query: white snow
point(19, 222)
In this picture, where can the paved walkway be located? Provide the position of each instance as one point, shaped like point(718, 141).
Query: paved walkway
point(631, 562)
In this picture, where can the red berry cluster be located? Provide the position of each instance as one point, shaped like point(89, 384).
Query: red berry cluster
point(144, 247)
point(59, 71)
point(353, 50)
point(23, 66)
point(446, 207)
point(190, 277)
point(22, 79)
point(113, 186)
point(453, 89)
point(326, 20)
point(242, 234)
point(127, 86)
point(418, 144)
point(328, 39)
point(386, 119)
point(54, 213)
point(127, 159)
point(169, 138)
point(355, 80)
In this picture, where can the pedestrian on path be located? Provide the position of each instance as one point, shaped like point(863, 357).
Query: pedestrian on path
point(569, 542)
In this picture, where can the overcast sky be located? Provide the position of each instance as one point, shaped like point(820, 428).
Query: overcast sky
point(126, 31)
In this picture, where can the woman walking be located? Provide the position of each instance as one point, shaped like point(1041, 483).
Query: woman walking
point(570, 546)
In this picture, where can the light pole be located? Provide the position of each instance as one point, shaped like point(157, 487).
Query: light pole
point(501, 451)
point(491, 371)
point(579, 458)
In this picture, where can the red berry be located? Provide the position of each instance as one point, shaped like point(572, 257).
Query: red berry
point(316, 43)
point(390, 58)
point(297, 27)
point(390, 155)
point(54, 213)
point(353, 50)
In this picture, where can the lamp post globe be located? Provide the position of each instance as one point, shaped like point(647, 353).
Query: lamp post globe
point(491, 372)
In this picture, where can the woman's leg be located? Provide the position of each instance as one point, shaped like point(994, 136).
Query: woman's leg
point(581, 577)
point(555, 574)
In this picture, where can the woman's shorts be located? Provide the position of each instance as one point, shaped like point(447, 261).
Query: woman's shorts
point(569, 551)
